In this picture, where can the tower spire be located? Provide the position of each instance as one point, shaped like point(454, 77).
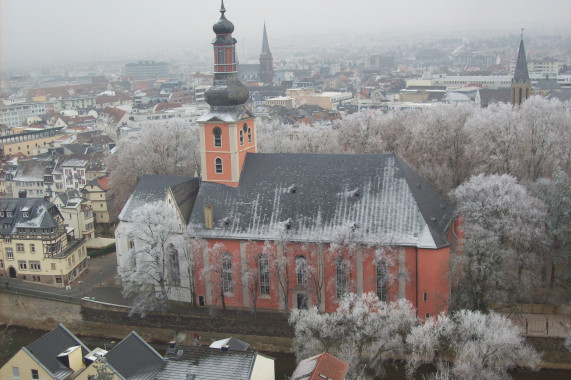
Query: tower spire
point(265, 43)
point(222, 9)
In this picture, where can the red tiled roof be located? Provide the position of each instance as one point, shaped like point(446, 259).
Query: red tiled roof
point(331, 367)
point(115, 113)
point(103, 182)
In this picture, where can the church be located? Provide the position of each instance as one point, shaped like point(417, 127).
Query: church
point(311, 227)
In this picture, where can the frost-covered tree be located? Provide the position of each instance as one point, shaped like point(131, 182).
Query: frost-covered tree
point(470, 345)
point(221, 272)
point(363, 331)
point(495, 133)
point(192, 259)
point(556, 194)
point(503, 234)
point(168, 147)
point(153, 268)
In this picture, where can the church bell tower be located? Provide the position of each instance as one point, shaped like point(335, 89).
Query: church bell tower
point(227, 131)
point(521, 84)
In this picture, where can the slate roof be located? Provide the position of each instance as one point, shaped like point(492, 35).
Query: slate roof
point(31, 170)
point(265, 43)
point(134, 359)
point(494, 95)
point(48, 347)
point(185, 195)
point(152, 188)
point(521, 74)
point(40, 214)
point(207, 364)
point(374, 198)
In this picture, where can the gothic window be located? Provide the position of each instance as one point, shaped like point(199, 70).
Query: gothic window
point(218, 164)
point(520, 95)
point(264, 275)
point(241, 138)
point(173, 275)
point(227, 284)
point(301, 270)
point(249, 134)
point(341, 277)
point(382, 280)
point(217, 132)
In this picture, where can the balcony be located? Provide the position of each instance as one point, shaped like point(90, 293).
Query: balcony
point(72, 247)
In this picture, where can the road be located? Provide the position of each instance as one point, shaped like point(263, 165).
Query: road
point(97, 282)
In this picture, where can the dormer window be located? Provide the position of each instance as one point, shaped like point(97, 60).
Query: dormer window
point(25, 214)
point(1, 214)
point(9, 214)
point(217, 132)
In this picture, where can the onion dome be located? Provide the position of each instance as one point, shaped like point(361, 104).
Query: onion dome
point(223, 26)
point(230, 93)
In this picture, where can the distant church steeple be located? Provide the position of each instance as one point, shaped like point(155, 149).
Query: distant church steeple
point(521, 85)
point(227, 131)
point(266, 61)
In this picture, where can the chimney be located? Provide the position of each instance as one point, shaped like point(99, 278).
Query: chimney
point(208, 216)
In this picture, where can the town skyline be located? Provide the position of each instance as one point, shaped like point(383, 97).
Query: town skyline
point(78, 31)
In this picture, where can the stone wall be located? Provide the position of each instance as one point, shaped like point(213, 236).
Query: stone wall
point(264, 331)
point(205, 320)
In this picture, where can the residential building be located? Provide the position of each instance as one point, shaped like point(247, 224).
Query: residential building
point(77, 213)
point(74, 169)
point(110, 119)
point(35, 244)
point(96, 191)
point(57, 355)
point(29, 143)
point(74, 103)
point(15, 115)
point(339, 214)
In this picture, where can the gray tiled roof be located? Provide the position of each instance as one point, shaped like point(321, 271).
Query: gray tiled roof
point(151, 188)
point(48, 347)
point(133, 358)
point(377, 198)
point(40, 214)
point(232, 343)
point(185, 195)
point(208, 364)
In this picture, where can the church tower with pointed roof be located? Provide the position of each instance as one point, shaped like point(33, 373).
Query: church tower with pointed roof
point(227, 131)
point(521, 84)
point(266, 61)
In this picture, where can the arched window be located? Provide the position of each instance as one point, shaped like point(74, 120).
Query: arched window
point(382, 272)
point(341, 277)
point(217, 132)
point(301, 270)
point(221, 59)
point(249, 134)
point(264, 269)
point(241, 138)
point(227, 284)
point(218, 165)
point(519, 100)
point(173, 273)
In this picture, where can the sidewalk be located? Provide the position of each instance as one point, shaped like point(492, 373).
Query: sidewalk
point(543, 325)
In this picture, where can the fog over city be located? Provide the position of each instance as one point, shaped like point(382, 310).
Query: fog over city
point(35, 32)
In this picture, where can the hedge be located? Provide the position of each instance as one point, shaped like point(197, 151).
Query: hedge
point(91, 252)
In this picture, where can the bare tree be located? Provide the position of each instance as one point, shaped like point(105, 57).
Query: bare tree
point(192, 255)
point(153, 266)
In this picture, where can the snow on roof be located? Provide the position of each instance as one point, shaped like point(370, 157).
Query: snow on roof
point(372, 199)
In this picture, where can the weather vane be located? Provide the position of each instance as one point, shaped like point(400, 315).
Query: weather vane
point(522, 32)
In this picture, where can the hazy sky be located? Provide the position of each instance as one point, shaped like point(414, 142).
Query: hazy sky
point(51, 30)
